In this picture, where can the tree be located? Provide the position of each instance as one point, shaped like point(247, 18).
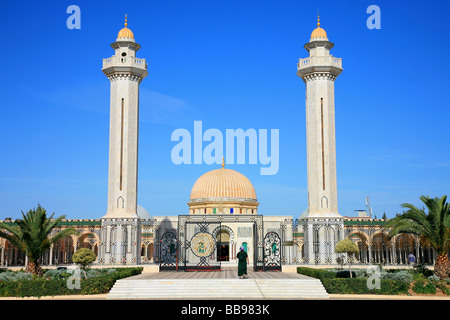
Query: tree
point(350, 248)
point(33, 235)
point(84, 257)
point(433, 228)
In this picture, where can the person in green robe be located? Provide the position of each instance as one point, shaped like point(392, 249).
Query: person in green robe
point(242, 262)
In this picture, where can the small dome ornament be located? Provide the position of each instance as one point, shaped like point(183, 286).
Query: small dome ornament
point(318, 33)
point(125, 32)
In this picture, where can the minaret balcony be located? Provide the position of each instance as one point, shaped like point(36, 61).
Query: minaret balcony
point(126, 65)
point(330, 60)
point(124, 61)
point(319, 64)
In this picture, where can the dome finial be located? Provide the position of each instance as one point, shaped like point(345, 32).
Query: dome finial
point(125, 32)
point(223, 162)
point(319, 33)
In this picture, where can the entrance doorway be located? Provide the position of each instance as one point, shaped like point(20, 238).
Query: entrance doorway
point(223, 245)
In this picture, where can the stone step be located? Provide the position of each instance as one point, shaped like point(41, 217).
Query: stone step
point(218, 289)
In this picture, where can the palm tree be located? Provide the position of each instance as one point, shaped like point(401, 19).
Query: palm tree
point(434, 228)
point(33, 235)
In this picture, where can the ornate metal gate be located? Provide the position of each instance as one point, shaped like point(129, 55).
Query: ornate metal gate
point(198, 247)
point(167, 246)
point(168, 251)
point(272, 252)
point(272, 245)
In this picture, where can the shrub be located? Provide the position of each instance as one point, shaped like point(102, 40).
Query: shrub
point(56, 274)
point(442, 286)
point(434, 278)
point(401, 275)
point(350, 248)
point(423, 286)
point(42, 286)
point(420, 268)
point(359, 286)
point(84, 257)
point(347, 285)
point(15, 276)
point(316, 273)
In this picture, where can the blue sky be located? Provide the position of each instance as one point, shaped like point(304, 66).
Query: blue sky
point(230, 64)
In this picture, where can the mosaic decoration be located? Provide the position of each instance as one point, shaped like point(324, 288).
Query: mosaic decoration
point(203, 244)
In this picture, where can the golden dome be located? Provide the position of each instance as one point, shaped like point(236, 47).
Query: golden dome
point(318, 32)
point(223, 183)
point(125, 32)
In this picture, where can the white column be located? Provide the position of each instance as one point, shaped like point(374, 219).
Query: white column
point(50, 262)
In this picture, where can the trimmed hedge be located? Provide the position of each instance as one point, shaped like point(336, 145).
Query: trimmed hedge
point(41, 287)
point(316, 273)
point(359, 286)
point(334, 285)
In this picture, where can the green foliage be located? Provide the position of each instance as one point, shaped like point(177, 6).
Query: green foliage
point(15, 276)
point(333, 284)
point(442, 286)
point(346, 246)
point(420, 268)
point(33, 234)
point(423, 286)
point(399, 275)
point(316, 273)
point(41, 286)
point(350, 248)
point(84, 257)
point(359, 286)
point(433, 226)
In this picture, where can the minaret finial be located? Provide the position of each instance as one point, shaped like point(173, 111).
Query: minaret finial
point(126, 23)
point(223, 162)
point(318, 18)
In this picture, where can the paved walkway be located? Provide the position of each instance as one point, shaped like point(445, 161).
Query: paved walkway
point(225, 273)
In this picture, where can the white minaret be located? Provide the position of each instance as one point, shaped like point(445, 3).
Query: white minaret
point(323, 226)
point(125, 73)
point(319, 72)
point(120, 232)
